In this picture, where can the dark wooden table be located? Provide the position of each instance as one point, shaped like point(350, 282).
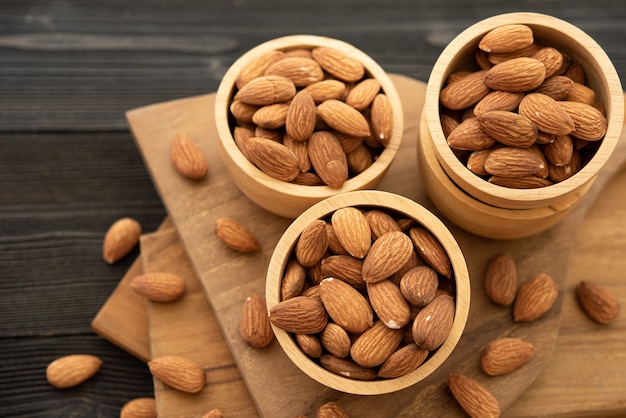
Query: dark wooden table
point(69, 167)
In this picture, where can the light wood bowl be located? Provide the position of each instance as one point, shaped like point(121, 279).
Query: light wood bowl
point(283, 198)
point(601, 77)
point(404, 207)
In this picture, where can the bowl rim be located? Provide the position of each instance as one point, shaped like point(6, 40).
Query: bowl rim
point(612, 99)
point(401, 205)
point(227, 142)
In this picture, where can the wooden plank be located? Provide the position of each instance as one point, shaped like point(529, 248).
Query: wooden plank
point(195, 205)
point(187, 327)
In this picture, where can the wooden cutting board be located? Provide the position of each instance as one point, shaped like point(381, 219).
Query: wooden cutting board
point(223, 274)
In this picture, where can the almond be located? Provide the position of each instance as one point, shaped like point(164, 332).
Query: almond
point(551, 58)
point(256, 67)
point(363, 93)
point(506, 38)
point(512, 162)
point(431, 250)
point(187, 158)
point(448, 124)
point(274, 159)
point(343, 118)
point(352, 231)
point(538, 151)
point(535, 298)
point(389, 304)
point(300, 315)
point(346, 268)
point(597, 302)
point(179, 372)
point(589, 123)
point(348, 143)
point(508, 128)
point(346, 306)
point(339, 64)
point(309, 344)
point(560, 173)
point(242, 135)
point(555, 87)
point(475, 399)
point(500, 57)
point(301, 70)
point(334, 245)
point(72, 370)
point(504, 355)
point(347, 368)
point(403, 361)
point(213, 413)
point(242, 112)
point(235, 235)
point(515, 75)
point(581, 93)
point(375, 345)
point(139, 408)
point(575, 72)
point(336, 340)
point(275, 135)
point(299, 149)
point(464, 92)
point(386, 256)
point(525, 182)
point(433, 323)
point(308, 179)
point(501, 279)
point(312, 243)
point(120, 239)
point(254, 325)
point(546, 113)
point(301, 116)
point(498, 100)
point(293, 280)
point(159, 286)
point(476, 162)
point(326, 90)
point(380, 223)
point(419, 285)
point(382, 119)
point(271, 116)
point(266, 90)
point(331, 410)
point(470, 136)
point(327, 158)
point(359, 160)
point(560, 151)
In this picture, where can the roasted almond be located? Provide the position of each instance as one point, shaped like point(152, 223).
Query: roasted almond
point(254, 325)
point(598, 302)
point(346, 306)
point(326, 90)
point(375, 345)
point(546, 113)
point(346, 268)
point(508, 128)
point(389, 304)
point(506, 38)
point(159, 286)
point(512, 162)
point(243, 112)
point(273, 158)
point(382, 119)
point(266, 90)
point(380, 222)
point(363, 93)
point(72, 370)
point(301, 116)
point(235, 235)
point(242, 135)
point(535, 298)
point(139, 408)
point(327, 158)
point(179, 372)
point(515, 75)
point(300, 315)
point(334, 245)
point(347, 368)
point(293, 280)
point(470, 136)
point(403, 361)
point(498, 100)
point(465, 92)
point(352, 231)
point(551, 58)
point(589, 123)
point(336, 340)
point(500, 57)
point(433, 323)
point(343, 118)
point(386, 256)
point(312, 243)
point(431, 251)
point(120, 239)
point(301, 71)
point(504, 355)
point(419, 285)
point(271, 116)
point(187, 157)
point(339, 64)
point(475, 399)
point(575, 72)
point(501, 279)
point(310, 344)
point(537, 150)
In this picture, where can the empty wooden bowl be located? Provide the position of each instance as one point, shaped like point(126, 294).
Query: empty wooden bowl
point(286, 198)
point(531, 210)
point(410, 215)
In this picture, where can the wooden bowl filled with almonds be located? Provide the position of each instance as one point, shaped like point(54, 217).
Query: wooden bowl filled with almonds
point(522, 110)
point(302, 118)
point(367, 292)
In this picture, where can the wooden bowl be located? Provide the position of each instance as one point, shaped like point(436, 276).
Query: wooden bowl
point(402, 207)
point(285, 198)
point(601, 77)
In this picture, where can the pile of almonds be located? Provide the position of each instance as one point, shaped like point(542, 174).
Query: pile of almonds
point(310, 116)
point(367, 292)
point(525, 117)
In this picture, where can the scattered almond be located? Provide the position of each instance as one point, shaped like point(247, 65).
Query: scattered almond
point(159, 286)
point(235, 235)
point(475, 399)
point(179, 372)
point(187, 157)
point(504, 355)
point(254, 325)
point(213, 413)
point(120, 239)
point(72, 370)
point(139, 408)
point(501, 280)
point(535, 298)
point(597, 302)
point(331, 410)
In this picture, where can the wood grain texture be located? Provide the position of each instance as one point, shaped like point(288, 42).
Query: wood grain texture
point(547, 252)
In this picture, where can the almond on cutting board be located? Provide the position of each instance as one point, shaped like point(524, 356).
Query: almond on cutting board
point(120, 239)
point(535, 298)
point(475, 399)
point(179, 372)
point(159, 286)
point(187, 157)
point(236, 236)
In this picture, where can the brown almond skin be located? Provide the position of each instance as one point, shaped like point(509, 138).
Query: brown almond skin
point(300, 121)
point(509, 128)
point(556, 87)
point(346, 268)
point(515, 75)
point(469, 136)
point(309, 344)
point(389, 304)
point(380, 222)
point(386, 256)
point(213, 413)
point(501, 280)
point(589, 123)
point(331, 410)
point(403, 361)
point(465, 92)
point(300, 315)
point(256, 67)
point(475, 399)
point(139, 408)
point(339, 64)
point(336, 340)
point(312, 243)
point(293, 280)
point(353, 231)
point(504, 355)
point(513, 162)
point(375, 345)
point(72, 370)
point(179, 372)
point(301, 70)
point(347, 368)
point(597, 302)
point(382, 119)
point(343, 118)
point(327, 158)
point(159, 286)
point(326, 90)
point(506, 38)
point(362, 94)
point(546, 114)
point(254, 325)
point(431, 250)
point(266, 90)
point(498, 100)
point(346, 306)
point(187, 157)
point(535, 298)
point(273, 158)
point(120, 239)
point(433, 323)
point(525, 182)
point(419, 285)
point(235, 235)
